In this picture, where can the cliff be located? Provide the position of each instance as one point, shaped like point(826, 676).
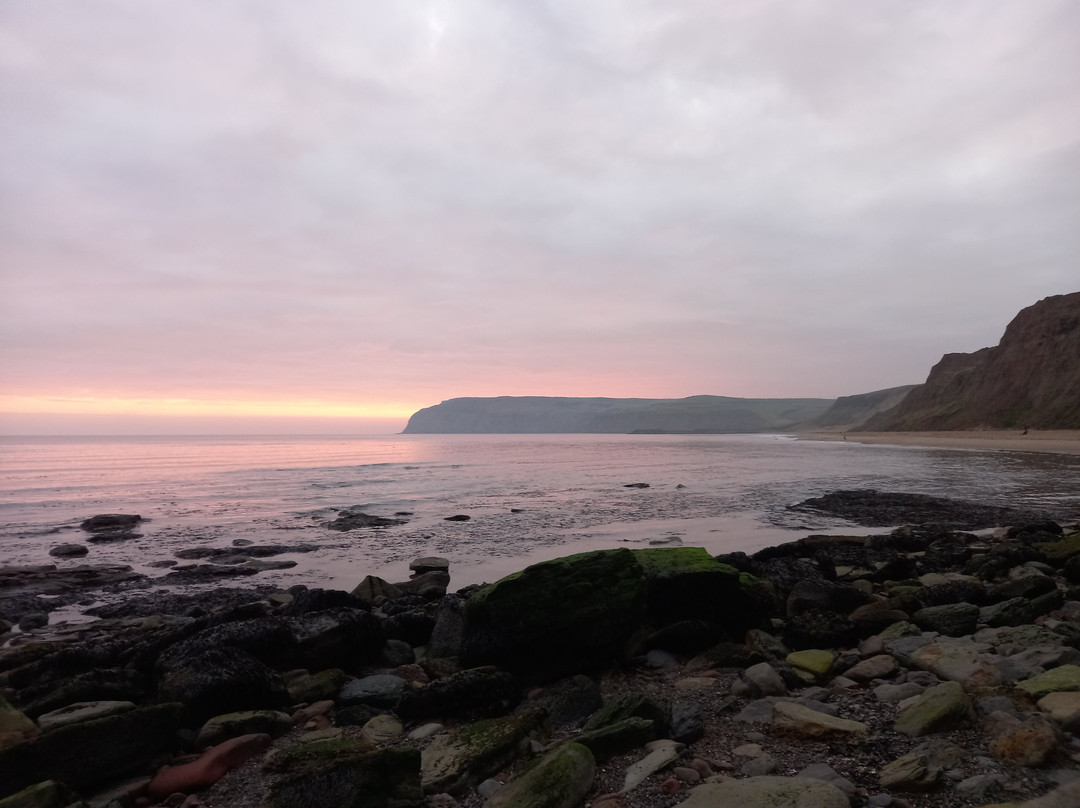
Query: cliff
point(850, 412)
point(1030, 379)
point(538, 414)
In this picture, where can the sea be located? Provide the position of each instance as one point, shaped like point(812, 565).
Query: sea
point(527, 497)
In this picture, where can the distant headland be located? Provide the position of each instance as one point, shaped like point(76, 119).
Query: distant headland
point(1031, 379)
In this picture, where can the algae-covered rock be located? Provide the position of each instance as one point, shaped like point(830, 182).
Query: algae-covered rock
point(15, 728)
point(797, 720)
point(686, 583)
point(347, 777)
point(558, 617)
point(911, 772)
point(767, 792)
point(560, 779)
point(943, 707)
point(454, 762)
point(49, 794)
point(812, 664)
point(1065, 678)
point(631, 705)
point(607, 741)
point(231, 725)
point(92, 752)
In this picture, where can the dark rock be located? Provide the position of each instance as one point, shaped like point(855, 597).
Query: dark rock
point(963, 590)
point(33, 620)
point(419, 566)
point(354, 715)
point(1024, 586)
point(336, 638)
point(613, 739)
point(379, 690)
point(413, 627)
point(1018, 611)
point(429, 585)
point(824, 596)
point(951, 619)
point(460, 517)
point(1035, 529)
point(882, 509)
point(318, 600)
point(69, 550)
point(558, 617)
point(475, 693)
point(636, 485)
point(632, 705)
point(818, 629)
point(353, 520)
point(110, 522)
point(686, 722)
point(218, 679)
point(92, 752)
point(345, 774)
point(685, 637)
point(569, 702)
point(447, 635)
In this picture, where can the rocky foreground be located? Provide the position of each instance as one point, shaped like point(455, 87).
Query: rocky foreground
point(926, 666)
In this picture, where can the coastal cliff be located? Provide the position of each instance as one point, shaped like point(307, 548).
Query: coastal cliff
point(1031, 379)
point(541, 414)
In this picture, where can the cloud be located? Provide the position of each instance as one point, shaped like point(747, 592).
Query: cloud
point(403, 202)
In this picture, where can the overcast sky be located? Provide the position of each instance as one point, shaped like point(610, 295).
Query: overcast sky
point(342, 208)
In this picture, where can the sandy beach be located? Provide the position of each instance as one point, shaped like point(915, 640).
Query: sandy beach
point(1061, 441)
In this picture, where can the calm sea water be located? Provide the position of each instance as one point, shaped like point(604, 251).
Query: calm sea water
point(529, 497)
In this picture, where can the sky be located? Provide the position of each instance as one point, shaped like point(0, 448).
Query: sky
point(264, 214)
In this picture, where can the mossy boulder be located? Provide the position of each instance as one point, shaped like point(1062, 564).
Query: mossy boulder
point(686, 583)
point(943, 707)
point(607, 741)
point(92, 752)
point(558, 617)
point(15, 727)
point(560, 779)
point(345, 775)
point(453, 763)
point(768, 792)
point(1063, 679)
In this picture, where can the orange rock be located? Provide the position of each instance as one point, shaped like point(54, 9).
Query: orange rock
point(211, 766)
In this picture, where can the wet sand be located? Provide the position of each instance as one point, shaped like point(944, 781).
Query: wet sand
point(1063, 441)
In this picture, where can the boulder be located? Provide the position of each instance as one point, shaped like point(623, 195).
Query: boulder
point(309, 687)
point(686, 583)
point(558, 617)
point(950, 619)
point(419, 566)
point(1057, 680)
point(373, 590)
point(452, 763)
point(560, 779)
point(15, 727)
point(607, 741)
point(799, 721)
point(346, 775)
point(1066, 796)
point(767, 792)
point(1063, 709)
point(938, 709)
point(568, 702)
point(379, 690)
point(81, 711)
point(69, 550)
point(910, 772)
point(221, 728)
point(475, 693)
point(110, 522)
point(814, 663)
point(1032, 742)
point(337, 638)
point(958, 662)
point(881, 666)
point(217, 680)
point(631, 705)
point(1019, 610)
point(92, 752)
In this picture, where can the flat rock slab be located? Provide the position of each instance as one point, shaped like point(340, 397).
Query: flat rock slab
point(943, 707)
point(799, 721)
point(767, 792)
point(82, 711)
point(1057, 680)
point(958, 662)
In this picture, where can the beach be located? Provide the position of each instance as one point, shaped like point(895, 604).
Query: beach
point(1056, 441)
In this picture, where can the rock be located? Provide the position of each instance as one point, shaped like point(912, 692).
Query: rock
point(81, 711)
point(661, 754)
point(615, 739)
point(337, 638)
point(380, 690)
point(558, 617)
point(452, 763)
point(341, 773)
point(210, 767)
point(825, 773)
point(911, 772)
point(881, 666)
point(1029, 585)
point(475, 693)
point(685, 637)
point(430, 585)
point(382, 730)
point(560, 779)
point(429, 564)
point(759, 765)
point(49, 794)
point(686, 583)
point(1063, 709)
point(425, 731)
point(799, 721)
point(15, 727)
point(816, 663)
point(940, 708)
point(892, 694)
point(309, 687)
point(372, 590)
point(767, 792)
point(458, 517)
point(110, 522)
point(1067, 796)
point(33, 620)
point(216, 680)
point(1019, 611)
point(251, 722)
point(1058, 680)
point(686, 722)
point(93, 752)
point(958, 662)
point(1031, 742)
point(764, 680)
point(950, 619)
point(352, 519)
point(568, 702)
point(69, 550)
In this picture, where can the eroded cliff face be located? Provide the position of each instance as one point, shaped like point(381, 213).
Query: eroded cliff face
point(1031, 379)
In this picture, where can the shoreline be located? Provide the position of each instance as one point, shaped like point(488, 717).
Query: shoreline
point(1057, 441)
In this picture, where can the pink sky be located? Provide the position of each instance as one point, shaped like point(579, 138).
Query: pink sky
point(262, 216)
